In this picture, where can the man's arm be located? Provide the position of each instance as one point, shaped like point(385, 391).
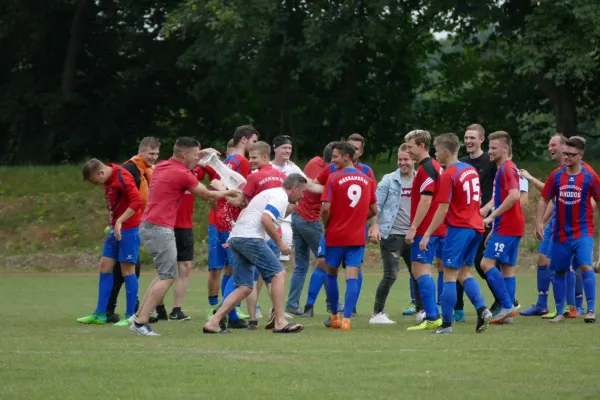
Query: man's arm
point(511, 200)
point(373, 214)
point(314, 187)
point(269, 225)
point(202, 192)
point(325, 212)
point(485, 210)
point(549, 211)
point(240, 200)
point(539, 185)
point(290, 209)
point(524, 198)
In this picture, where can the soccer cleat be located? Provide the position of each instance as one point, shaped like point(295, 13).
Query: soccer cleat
point(345, 326)
point(252, 325)
point(240, 314)
point(534, 311)
point(572, 313)
point(459, 316)
point(517, 305)
point(590, 317)
point(298, 311)
point(502, 314)
point(421, 316)
point(495, 307)
point(239, 324)
point(112, 318)
point(161, 315)
point(508, 321)
point(123, 322)
point(550, 315)
point(333, 322)
point(143, 330)
point(443, 330)
point(381, 319)
point(309, 312)
point(426, 325)
point(410, 310)
point(558, 318)
point(483, 321)
point(178, 316)
point(93, 319)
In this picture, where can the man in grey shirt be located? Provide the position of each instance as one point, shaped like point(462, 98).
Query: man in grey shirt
point(393, 201)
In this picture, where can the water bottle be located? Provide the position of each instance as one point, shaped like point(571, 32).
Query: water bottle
point(231, 179)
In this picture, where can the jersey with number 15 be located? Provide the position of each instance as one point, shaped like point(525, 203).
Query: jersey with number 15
point(459, 186)
point(350, 193)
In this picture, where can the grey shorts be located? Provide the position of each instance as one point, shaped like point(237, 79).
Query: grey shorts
point(160, 243)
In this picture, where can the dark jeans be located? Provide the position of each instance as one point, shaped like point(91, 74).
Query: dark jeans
point(392, 248)
point(117, 283)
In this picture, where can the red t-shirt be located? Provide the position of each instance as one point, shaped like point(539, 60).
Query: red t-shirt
point(169, 182)
point(227, 213)
point(309, 206)
point(350, 193)
point(186, 208)
point(122, 193)
point(265, 178)
point(459, 186)
point(426, 182)
point(512, 222)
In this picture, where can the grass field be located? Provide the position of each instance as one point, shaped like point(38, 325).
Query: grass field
point(45, 354)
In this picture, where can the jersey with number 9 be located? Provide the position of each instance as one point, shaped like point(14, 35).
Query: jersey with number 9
point(460, 187)
point(350, 193)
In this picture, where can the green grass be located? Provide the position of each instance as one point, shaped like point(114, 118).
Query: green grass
point(45, 354)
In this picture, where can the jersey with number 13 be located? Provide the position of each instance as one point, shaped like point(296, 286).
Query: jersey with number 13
point(350, 193)
point(459, 186)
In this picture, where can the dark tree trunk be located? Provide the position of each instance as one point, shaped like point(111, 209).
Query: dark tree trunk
point(565, 110)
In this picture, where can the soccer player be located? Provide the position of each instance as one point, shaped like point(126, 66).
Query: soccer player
point(122, 243)
point(230, 148)
point(572, 187)
point(423, 206)
point(170, 180)
point(459, 202)
point(348, 202)
point(249, 249)
point(308, 229)
point(393, 203)
point(503, 243)
point(221, 220)
point(140, 167)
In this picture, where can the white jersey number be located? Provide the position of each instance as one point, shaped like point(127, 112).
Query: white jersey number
point(354, 193)
point(472, 186)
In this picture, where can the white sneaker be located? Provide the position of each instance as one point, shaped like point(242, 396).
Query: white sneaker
point(258, 314)
point(381, 319)
point(421, 316)
point(143, 330)
point(131, 319)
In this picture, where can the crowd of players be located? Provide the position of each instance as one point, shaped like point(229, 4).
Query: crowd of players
point(449, 212)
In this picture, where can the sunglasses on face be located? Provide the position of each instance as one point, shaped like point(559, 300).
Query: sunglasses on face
point(569, 155)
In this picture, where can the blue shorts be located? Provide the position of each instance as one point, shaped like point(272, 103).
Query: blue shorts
point(440, 248)
point(461, 250)
point(351, 256)
point(545, 246)
point(250, 254)
point(126, 250)
point(576, 252)
point(504, 249)
point(424, 257)
point(275, 251)
point(322, 247)
point(218, 257)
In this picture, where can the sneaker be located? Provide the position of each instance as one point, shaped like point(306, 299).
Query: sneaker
point(297, 311)
point(381, 319)
point(426, 325)
point(549, 315)
point(178, 316)
point(240, 314)
point(123, 322)
point(239, 324)
point(443, 330)
point(345, 326)
point(93, 319)
point(309, 312)
point(421, 316)
point(517, 305)
point(459, 316)
point(144, 330)
point(507, 321)
point(333, 322)
point(161, 315)
point(252, 325)
point(410, 310)
point(258, 312)
point(590, 317)
point(112, 318)
point(494, 308)
point(572, 313)
point(483, 321)
point(534, 311)
point(558, 318)
point(503, 314)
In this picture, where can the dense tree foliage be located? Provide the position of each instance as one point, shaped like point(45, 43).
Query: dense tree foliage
point(90, 77)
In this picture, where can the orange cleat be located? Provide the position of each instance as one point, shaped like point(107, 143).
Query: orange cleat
point(334, 322)
point(572, 313)
point(346, 324)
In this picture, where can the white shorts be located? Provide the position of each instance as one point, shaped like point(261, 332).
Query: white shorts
point(287, 236)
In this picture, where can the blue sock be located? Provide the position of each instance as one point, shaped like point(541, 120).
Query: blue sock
point(440, 286)
point(427, 291)
point(411, 284)
point(448, 300)
point(132, 287)
point(213, 300)
point(359, 288)
point(317, 279)
point(496, 281)
point(511, 287)
point(474, 293)
point(543, 285)
point(560, 287)
point(229, 288)
point(333, 292)
point(352, 286)
point(224, 280)
point(571, 278)
point(578, 291)
point(589, 287)
point(105, 284)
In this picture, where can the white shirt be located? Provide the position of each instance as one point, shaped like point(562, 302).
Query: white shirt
point(288, 168)
point(272, 202)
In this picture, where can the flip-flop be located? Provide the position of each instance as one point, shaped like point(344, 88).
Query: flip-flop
point(219, 332)
point(271, 323)
point(288, 328)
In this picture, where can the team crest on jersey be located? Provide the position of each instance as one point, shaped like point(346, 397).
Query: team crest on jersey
point(569, 194)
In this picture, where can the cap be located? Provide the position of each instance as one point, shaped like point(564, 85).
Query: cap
point(281, 140)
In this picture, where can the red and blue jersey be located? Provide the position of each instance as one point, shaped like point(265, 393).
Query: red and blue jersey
point(512, 222)
point(350, 194)
point(427, 183)
point(227, 213)
point(572, 194)
point(460, 187)
point(330, 169)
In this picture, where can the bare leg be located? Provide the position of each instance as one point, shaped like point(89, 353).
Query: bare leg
point(181, 282)
point(230, 302)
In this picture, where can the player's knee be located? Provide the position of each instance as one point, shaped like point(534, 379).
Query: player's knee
point(127, 269)
point(185, 269)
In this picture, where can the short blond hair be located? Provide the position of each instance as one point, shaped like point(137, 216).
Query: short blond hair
point(403, 147)
point(261, 148)
point(357, 137)
point(448, 141)
point(91, 168)
point(477, 128)
point(420, 137)
point(149, 142)
point(501, 135)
